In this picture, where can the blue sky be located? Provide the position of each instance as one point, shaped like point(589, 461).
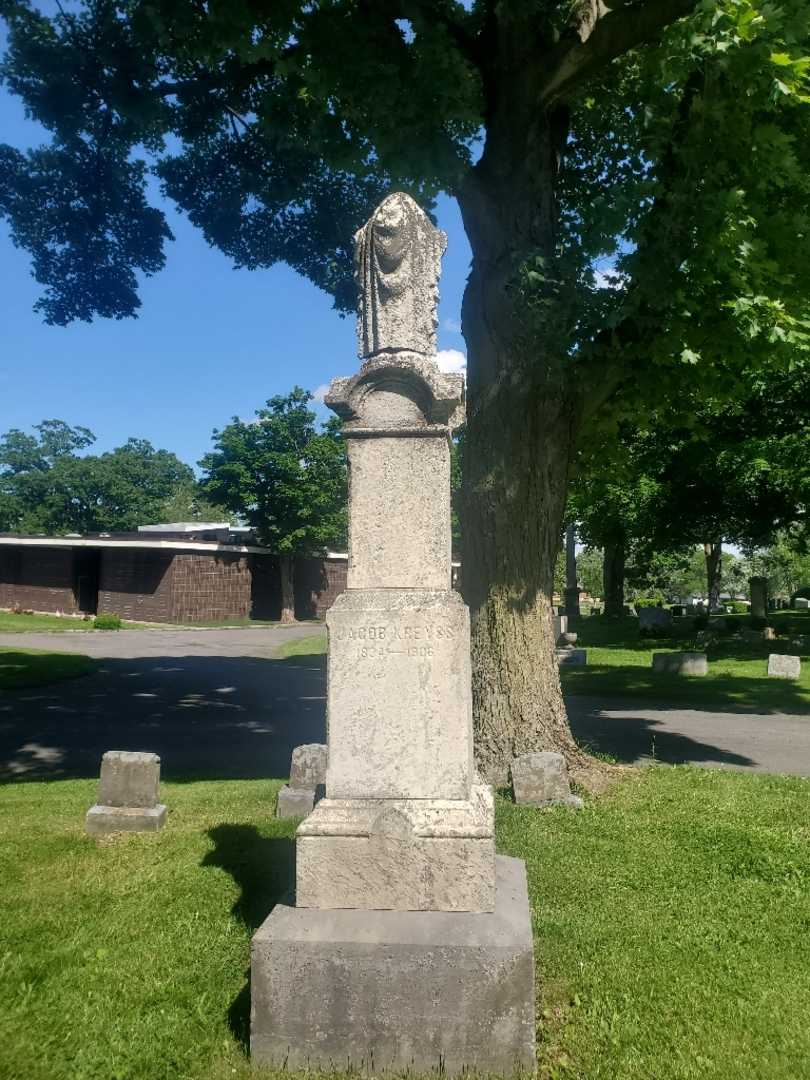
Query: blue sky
point(210, 343)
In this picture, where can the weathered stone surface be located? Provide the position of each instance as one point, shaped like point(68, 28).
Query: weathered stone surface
point(113, 819)
point(654, 618)
point(129, 779)
point(541, 779)
point(768, 633)
point(408, 854)
point(397, 990)
point(681, 663)
point(404, 824)
point(560, 626)
point(568, 639)
point(397, 537)
point(398, 255)
point(398, 696)
point(784, 667)
point(295, 802)
point(572, 657)
point(308, 765)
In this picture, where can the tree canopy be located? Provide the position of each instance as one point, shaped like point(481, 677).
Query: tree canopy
point(47, 486)
point(282, 476)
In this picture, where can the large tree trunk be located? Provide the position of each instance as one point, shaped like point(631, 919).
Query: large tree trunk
point(522, 418)
point(286, 564)
point(713, 551)
point(613, 578)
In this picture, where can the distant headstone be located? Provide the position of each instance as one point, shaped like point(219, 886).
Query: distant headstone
point(801, 603)
point(678, 610)
point(654, 618)
point(307, 774)
point(128, 794)
point(572, 657)
point(568, 640)
point(769, 633)
point(541, 779)
point(681, 663)
point(560, 626)
point(784, 667)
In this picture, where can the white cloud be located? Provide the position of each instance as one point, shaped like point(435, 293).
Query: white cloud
point(451, 360)
point(320, 392)
point(453, 326)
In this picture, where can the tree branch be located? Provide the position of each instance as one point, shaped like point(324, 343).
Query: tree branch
point(599, 34)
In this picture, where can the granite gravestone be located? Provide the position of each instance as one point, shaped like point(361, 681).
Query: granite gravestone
point(128, 794)
point(307, 776)
point(410, 944)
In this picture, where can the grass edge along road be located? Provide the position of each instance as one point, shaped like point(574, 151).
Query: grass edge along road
point(12, 622)
point(669, 919)
point(21, 668)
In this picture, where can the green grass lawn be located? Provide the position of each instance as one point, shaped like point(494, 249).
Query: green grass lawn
point(671, 919)
point(619, 665)
point(12, 623)
point(36, 667)
point(306, 650)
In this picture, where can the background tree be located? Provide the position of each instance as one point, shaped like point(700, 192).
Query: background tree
point(670, 136)
point(285, 479)
point(46, 486)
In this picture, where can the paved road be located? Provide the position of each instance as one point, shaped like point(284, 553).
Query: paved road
point(214, 703)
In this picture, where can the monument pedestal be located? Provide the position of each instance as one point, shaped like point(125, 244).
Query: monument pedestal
point(397, 990)
point(406, 949)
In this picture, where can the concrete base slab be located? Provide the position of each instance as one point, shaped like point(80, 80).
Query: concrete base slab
point(378, 990)
point(295, 802)
point(111, 819)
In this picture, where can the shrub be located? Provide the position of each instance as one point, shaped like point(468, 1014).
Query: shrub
point(738, 607)
point(105, 621)
point(646, 601)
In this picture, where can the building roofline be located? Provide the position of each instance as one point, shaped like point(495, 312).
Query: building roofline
point(149, 545)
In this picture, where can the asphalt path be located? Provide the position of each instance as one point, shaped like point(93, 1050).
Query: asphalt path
point(216, 704)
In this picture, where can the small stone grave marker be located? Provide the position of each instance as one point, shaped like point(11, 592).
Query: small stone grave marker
point(541, 779)
point(307, 774)
point(784, 667)
point(681, 663)
point(128, 794)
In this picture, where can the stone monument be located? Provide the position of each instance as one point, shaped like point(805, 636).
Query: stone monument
point(409, 945)
point(128, 794)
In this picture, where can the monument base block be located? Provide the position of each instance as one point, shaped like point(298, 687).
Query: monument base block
point(378, 990)
point(112, 819)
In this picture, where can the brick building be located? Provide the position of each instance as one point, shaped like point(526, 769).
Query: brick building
point(175, 574)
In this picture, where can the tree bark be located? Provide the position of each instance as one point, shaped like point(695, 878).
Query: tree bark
point(286, 566)
point(713, 551)
point(613, 578)
point(522, 418)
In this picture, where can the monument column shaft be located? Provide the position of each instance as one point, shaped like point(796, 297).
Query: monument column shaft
point(399, 512)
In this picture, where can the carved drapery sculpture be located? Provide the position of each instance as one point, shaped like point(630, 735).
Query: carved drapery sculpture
point(397, 256)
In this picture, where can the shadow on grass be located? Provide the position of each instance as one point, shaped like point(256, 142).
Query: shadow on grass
point(726, 693)
point(264, 869)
